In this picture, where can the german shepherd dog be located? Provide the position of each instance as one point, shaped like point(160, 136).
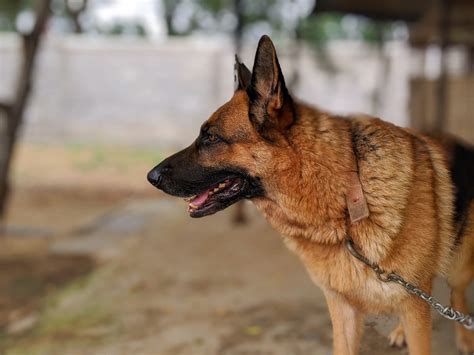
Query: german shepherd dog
point(297, 164)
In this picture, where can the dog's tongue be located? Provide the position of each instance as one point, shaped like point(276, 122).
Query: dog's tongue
point(200, 199)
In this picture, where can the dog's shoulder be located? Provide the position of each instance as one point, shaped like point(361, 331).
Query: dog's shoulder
point(386, 160)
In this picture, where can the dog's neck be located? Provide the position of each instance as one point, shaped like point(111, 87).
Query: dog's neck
point(322, 154)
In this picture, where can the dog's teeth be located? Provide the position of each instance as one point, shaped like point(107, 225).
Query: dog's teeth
point(193, 206)
point(221, 185)
point(216, 189)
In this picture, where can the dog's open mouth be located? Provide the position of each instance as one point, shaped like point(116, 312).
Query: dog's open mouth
point(216, 197)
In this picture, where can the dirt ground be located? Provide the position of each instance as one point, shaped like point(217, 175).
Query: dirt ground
point(58, 190)
point(94, 267)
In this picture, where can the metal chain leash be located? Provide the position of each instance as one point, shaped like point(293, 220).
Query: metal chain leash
point(447, 312)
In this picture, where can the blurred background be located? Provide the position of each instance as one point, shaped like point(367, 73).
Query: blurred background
point(94, 93)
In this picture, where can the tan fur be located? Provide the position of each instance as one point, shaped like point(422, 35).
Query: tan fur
point(408, 190)
point(303, 158)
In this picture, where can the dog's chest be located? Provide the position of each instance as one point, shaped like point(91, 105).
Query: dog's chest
point(333, 268)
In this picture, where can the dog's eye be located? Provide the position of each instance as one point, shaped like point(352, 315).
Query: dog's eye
point(211, 138)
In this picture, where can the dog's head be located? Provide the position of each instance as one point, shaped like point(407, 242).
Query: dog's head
point(240, 147)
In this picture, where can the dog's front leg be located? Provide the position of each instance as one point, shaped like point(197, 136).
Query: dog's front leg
point(347, 324)
point(416, 320)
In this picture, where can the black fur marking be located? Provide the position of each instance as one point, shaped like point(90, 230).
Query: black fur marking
point(462, 175)
point(362, 143)
point(242, 75)
point(352, 131)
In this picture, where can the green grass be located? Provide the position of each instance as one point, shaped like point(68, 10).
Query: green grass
point(61, 326)
point(69, 322)
point(57, 320)
point(119, 158)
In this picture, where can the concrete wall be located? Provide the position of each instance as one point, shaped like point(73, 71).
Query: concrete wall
point(116, 90)
point(459, 105)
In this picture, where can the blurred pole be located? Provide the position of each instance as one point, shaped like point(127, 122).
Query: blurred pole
point(444, 32)
point(170, 9)
point(75, 8)
point(239, 28)
point(239, 215)
point(12, 112)
point(294, 23)
point(295, 57)
point(471, 58)
point(383, 70)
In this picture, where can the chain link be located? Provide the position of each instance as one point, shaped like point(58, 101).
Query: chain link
point(447, 312)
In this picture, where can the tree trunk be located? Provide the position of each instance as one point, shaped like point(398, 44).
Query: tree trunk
point(239, 214)
point(4, 152)
point(11, 114)
point(75, 14)
point(239, 28)
point(170, 10)
point(442, 87)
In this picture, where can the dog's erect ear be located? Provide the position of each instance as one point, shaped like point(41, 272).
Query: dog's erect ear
point(270, 103)
point(242, 75)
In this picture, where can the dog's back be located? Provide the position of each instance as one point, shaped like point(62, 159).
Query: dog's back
point(462, 175)
point(461, 164)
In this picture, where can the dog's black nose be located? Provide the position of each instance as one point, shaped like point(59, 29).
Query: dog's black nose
point(155, 176)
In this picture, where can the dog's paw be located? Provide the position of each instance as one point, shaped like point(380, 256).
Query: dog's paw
point(397, 337)
point(465, 342)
